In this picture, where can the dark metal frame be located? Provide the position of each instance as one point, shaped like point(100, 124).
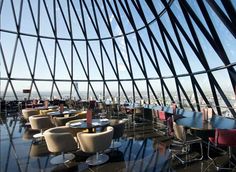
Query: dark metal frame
point(125, 8)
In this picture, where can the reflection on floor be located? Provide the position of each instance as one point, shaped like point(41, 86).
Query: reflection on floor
point(142, 149)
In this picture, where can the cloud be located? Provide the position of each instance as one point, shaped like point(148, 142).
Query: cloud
point(121, 67)
point(121, 43)
point(111, 18)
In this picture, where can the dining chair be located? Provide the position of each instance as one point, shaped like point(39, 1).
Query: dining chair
point(160, 121)
point(115, 111)
point(26, 113)
point(92, 104)
point(101, 107)
point(138, 115)
point(119, 127)
point(224, 138)
point(184, 140)
point(169, 124)
point(75, 130)
point(45, 112)
point(61, 121)
point(119, 111)
point(60, 140)
point(96, 143)
point(41, 123)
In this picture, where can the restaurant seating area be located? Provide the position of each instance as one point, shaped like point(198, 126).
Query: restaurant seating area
point(71, 148)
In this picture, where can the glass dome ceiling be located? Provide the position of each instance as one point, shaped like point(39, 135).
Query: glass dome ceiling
point(159, 51)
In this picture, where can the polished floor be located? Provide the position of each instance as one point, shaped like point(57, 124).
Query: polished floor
point(143, 149)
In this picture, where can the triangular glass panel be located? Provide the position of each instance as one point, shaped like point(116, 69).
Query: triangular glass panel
point(9, 94)
point(193, 60)
point(78, 72)
point(55, 93)
point(34, 6)
point(47, 71)
point(156, 85)
point(44, 88)
point(178, 66)
point(27, 23)
point(64, 88)
point(6, 16)
point(61, 72)
point(20, 64)
point(171, 86)
point(203, 81)
point(94, 70)
point(62, 30)
point(104, 32)
point(8, 42)
point(29, 44)
point(65, 47)
point(109, 60)
point(45, 25)
point(211, 56)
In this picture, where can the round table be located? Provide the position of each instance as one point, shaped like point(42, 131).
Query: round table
point(196, 122)
point(96, 123)
point(206, 129)
point(58, 113)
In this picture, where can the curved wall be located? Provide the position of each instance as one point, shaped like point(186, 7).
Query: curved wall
point(159, 51)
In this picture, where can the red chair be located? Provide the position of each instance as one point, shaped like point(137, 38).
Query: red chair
point(160, 121)
point(170, 127)
point(162, 115)
point(223, 138)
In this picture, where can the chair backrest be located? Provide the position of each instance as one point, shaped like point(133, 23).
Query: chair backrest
point(45, 112)
point(82, 114)
point(162, 115)
point(225, 137)
point(95, 142)
point(155, 113)
point(29, 112)
point(169, 123)
point(139, 110)
point(100, 105)
point(122, 108)
point(61, 121)
point(179, 132)
point(173, 106)
point(209, 113)
point(92, 104)
point(60, 139)
point(119, 127)
point(40, 122)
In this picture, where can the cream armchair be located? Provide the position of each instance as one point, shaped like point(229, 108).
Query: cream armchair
point(26, 113)
point(39, 122)
point(95, 143)
point(61, 121)
point(60, 140)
